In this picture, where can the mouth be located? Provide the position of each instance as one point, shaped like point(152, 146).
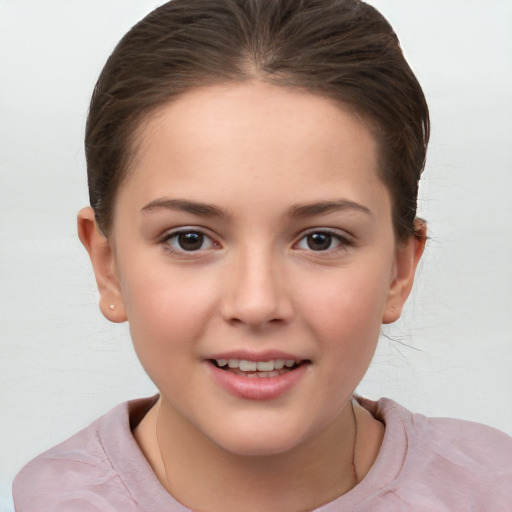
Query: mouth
point(258, 369)
point(264, 376)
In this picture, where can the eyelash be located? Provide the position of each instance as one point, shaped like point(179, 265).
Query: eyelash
point(333, 236)
point(174, 235)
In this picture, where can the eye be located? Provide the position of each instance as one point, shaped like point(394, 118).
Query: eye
point(322, 241)
point(188, 241)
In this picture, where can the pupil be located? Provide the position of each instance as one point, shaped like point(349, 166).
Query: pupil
point(319, 241)
point(190, 241)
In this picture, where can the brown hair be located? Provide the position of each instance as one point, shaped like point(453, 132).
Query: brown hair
point(343, 49)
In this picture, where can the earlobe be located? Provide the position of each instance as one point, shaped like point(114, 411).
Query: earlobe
point(102, 258)
point(408, 255)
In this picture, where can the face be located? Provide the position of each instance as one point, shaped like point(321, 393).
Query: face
point(254, 257)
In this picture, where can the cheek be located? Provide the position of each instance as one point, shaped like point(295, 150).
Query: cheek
point(345, 310)
point(167, 313)
point(352, 293)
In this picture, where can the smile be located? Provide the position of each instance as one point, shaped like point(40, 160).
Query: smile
point(257, 380)
point(256, 369)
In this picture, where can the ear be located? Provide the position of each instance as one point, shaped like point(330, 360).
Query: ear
point(103, 263)
point(408, 255)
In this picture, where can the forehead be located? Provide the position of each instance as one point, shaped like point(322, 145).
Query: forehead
point(240, 110)
point(254, 137)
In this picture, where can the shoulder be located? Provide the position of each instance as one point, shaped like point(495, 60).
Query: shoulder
point(79, 473)
point(457, 461)
point(475, 448)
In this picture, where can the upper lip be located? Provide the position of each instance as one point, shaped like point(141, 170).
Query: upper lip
point(266, 355)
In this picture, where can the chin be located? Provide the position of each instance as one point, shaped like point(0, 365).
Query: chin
point(258, 448)
point(262, 440)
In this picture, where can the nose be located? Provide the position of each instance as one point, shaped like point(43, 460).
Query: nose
point(255, 291)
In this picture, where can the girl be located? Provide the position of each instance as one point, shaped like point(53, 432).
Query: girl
point(253, 169)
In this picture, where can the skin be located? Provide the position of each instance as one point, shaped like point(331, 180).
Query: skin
point(256, 153)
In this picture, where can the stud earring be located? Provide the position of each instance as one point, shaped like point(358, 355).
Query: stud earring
point(112, 307)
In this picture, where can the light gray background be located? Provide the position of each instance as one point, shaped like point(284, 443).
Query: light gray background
point(62, 364)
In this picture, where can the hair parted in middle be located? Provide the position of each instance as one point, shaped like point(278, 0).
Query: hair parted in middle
point(342, 49)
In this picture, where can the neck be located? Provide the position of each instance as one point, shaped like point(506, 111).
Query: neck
point(195, 470)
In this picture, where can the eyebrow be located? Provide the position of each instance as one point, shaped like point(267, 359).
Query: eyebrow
point(184, 205)
point(210, 210)
point(325, 207)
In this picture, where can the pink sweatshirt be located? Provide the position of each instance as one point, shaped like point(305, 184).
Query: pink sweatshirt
point(425, 464)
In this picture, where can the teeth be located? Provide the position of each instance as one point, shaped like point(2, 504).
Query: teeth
point(259, 375)
point(247, 366)
point(253, 366)
point(264, 366)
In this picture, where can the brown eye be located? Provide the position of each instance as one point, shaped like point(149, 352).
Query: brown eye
point(319, 241)
point(188, 241)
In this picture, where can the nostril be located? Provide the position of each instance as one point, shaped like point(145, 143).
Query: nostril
point(255, 298)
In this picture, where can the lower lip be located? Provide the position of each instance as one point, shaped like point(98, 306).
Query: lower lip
point(257, 388)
